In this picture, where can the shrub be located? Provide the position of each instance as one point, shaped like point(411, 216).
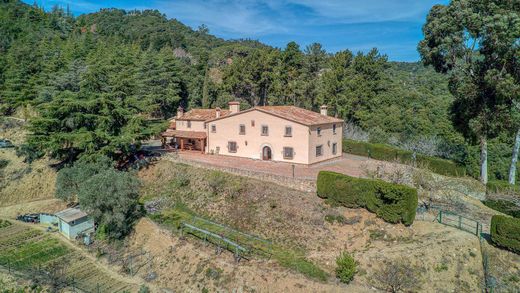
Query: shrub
point(3, 163)
point(387, 153)
point(216, 182)
point(346, 267)
point(503, 206)
point(505, 232)
point(335, 218)
point(392, 202)
point(397, 276)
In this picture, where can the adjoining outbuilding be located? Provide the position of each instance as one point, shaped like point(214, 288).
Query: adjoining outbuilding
point(73, 222)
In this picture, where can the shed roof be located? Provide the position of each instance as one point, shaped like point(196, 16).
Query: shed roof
point(71, 214)
point(184, 134)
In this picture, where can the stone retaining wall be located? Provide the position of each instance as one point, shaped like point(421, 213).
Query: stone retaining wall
point(307, 185)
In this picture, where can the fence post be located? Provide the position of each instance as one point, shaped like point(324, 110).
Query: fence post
point(440, 217)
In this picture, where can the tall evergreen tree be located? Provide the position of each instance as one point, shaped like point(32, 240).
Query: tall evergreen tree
point(475, 41)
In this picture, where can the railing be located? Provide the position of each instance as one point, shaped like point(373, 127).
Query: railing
point(460, 222)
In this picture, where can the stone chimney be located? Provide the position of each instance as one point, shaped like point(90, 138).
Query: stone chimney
point(180, 112)
point(217, 112)
point(323, 110)
point(234, 107)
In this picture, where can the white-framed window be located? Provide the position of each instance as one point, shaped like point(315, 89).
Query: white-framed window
point(242, 129)
point(265, 130)
point(213, 128)
point(318, 131)
point(288, 153)
point(334, 148)
point(232, 146)
point(319, 150)
point(288, 131)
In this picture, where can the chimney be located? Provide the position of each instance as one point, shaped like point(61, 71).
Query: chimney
point(180, 112)
point(234, 107)
point(217, 112)
point(323, 110)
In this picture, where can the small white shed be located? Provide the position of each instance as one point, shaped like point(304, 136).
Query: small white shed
point(73, 221)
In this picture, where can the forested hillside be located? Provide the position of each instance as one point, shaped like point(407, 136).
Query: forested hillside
point(97, 81)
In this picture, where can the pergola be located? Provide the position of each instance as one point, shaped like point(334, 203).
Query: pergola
point(184, 137)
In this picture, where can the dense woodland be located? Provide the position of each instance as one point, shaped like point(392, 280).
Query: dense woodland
point(101, 82)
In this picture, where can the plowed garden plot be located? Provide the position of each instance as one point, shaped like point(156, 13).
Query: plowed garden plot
point(28, 250)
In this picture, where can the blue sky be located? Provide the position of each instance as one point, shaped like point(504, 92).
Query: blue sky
point(393, 26)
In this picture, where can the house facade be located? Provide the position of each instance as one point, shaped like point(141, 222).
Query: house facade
point(274, 133)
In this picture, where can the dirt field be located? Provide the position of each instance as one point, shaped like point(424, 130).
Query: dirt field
point(445, 259)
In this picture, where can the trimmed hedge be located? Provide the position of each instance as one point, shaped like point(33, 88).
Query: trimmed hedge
point(387, 153)
point(498, 186)
point(505, 232)
point(503, 206)
point(393, 203)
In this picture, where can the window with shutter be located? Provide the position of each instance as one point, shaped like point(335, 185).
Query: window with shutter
point(288, 131)
point(288, 153)
point(232, 146)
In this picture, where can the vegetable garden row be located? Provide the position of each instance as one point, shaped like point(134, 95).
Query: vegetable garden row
point(31, 251)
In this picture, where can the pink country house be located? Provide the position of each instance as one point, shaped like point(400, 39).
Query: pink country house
point(277, 133)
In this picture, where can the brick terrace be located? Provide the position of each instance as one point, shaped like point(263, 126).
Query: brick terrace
point(349, 164)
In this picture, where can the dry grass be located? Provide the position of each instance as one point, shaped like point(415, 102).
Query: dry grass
point(297, 219)
point(21, 182)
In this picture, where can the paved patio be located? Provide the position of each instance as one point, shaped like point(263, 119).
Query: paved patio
point(349, 164)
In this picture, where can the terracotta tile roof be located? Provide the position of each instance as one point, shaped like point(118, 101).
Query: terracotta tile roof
point(184, 134)
point(203, 114)
point(299, 115)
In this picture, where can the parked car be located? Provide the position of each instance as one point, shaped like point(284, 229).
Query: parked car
point(29, 218)
point(4, 143)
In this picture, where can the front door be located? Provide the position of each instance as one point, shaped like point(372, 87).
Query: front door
point(266, 153)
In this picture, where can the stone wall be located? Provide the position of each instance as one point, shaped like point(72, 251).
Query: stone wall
point(307, 185)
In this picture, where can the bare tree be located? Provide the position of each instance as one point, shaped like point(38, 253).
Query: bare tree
point(397, 276)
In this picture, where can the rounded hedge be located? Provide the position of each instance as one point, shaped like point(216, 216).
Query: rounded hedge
point(505, 232)
point(393, 203)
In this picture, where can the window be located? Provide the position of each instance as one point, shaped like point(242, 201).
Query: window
point(265, 130)
point(288, 131)
point(318, 130)
point(189, 124)
point(334, 148)
point(205, 126)
point(288, 153)
point(319, 150)
point(252, 123)
point(213, 128)
point(242, 129)
point(333, 128)
point(232, 146)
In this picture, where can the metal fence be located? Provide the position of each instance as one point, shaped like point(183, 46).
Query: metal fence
point(460, 222)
